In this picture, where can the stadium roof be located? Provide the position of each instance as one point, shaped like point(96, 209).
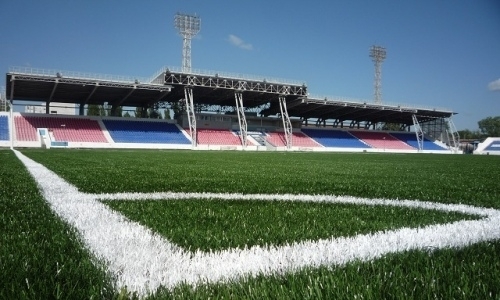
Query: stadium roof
point(210, 88)
point(358, 111)
point(81, 88)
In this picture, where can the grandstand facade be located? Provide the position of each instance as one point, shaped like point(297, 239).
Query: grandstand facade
point(217, 111)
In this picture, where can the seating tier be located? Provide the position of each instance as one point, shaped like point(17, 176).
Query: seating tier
point(4, 128)
point(217, 137)
point(381, 140)
point(299, 139)
point(63, 129)
point(334, 138)
point(132, 131)
point(411, 139)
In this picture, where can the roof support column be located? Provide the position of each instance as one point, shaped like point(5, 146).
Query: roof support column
point(453, 136)
point(82, 105)
point(287, 124)
point(11, 100)
point(117, 104)
point(418, 132)
point(47, 104)
point(241, 118)
point(188, 94)
point(144, 111)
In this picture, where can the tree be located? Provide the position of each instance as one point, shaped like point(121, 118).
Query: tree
point(138, 112)
point(93, 110)
point(102, 110)
point(392, 127)
point(178, 108)
point(118, 111)
point(154, 114)
point(167, 116)
point(126, 115)
point(467, 134)
point(490, 126)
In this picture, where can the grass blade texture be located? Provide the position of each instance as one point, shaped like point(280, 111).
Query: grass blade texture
point(40, 256)
point(472, 272)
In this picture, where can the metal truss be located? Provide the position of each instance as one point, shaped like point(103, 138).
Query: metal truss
point(419, 133)
point(188, 93)
point(287, 124)
point(241, 118)
point(234, 84)
point(453, 136)
point(354, 124)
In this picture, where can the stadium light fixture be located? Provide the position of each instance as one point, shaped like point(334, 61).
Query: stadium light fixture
point(188, 27)
point(378, 54)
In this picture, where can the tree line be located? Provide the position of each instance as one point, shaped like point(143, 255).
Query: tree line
point(139, 112)
point(488, 127)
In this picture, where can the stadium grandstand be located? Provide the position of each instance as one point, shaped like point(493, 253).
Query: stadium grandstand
point(218, 111)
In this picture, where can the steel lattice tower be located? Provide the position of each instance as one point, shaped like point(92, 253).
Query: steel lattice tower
point(378, 55)
point(188, 27)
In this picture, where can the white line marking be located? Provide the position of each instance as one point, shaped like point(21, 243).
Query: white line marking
point(143, 261)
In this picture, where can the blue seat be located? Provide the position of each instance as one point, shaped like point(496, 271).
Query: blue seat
point(146, 132)
point(334, 138)
point(4, 128)
point(411, 139)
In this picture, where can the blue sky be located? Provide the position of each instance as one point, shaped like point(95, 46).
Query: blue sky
point(440, 53)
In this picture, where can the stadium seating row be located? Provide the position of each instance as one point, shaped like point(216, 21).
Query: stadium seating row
point(217, 137)
point(4, 128)
point(299, 139)
point(125, 131)
point(87, 130)
point(62, 129)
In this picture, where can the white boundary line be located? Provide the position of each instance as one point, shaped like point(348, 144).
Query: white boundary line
point(142, 260)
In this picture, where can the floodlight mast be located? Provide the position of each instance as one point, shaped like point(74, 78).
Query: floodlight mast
point(188, 27)
point(378, 54)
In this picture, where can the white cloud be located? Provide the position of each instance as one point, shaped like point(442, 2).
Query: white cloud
point(238, 42)
point(494, 85)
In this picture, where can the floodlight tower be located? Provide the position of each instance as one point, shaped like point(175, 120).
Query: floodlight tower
point(378, 54)
point(188, 27)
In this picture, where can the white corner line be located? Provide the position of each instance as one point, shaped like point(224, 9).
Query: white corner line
point(142, 260)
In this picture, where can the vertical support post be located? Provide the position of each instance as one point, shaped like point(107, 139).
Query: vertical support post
point(188, 94)
point(188, 27)
point(47, 107)
point(144, 111)
point(241, 118)
point(453, 136)
point(11, 102)
point(287, 125)
point(418, 132)
point(186, 54)
point(81, 109)
point(378, 55)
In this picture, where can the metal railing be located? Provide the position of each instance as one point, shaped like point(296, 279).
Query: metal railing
point(236, 76)
point(150, 80)
point(77, 75)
